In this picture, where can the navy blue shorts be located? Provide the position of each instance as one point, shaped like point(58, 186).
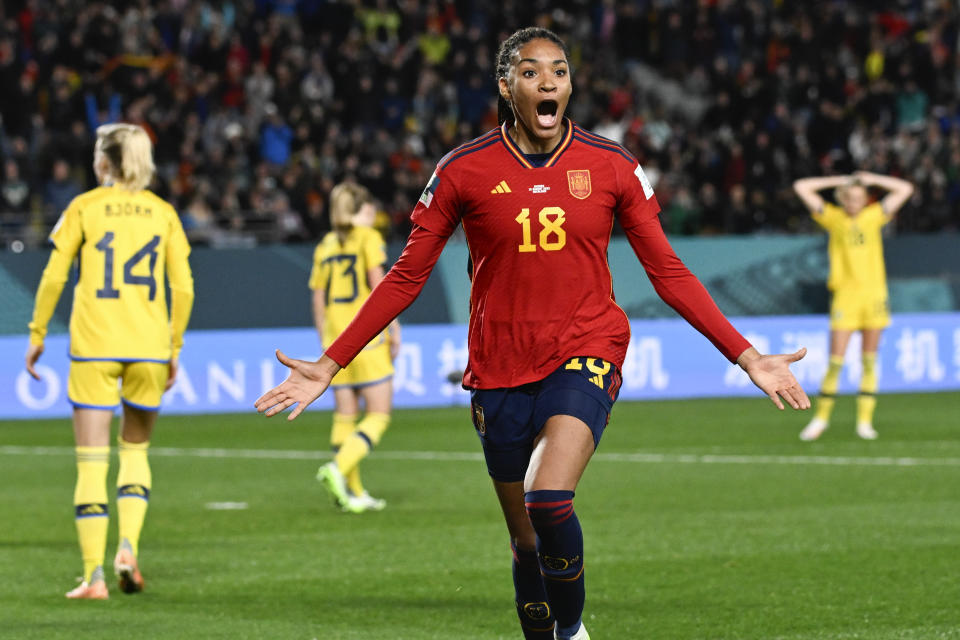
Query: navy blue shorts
point(508, 421)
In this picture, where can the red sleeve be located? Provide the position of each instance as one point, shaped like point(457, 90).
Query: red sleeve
point(398, 289)
point(681, 290)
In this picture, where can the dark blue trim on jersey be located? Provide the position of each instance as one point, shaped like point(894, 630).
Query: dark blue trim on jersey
point(599, 138)
point(467, 152)
point(565, 141)
point(142, 407)
point(81, 405)
point(128, 360)
point(360, 385)
point(445, 160)
point(613, 147)
point(589, 136)
point(537, 159)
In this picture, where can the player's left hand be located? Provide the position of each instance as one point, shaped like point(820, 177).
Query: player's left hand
point(307, 382)
point(771, 373)
point(34, 351)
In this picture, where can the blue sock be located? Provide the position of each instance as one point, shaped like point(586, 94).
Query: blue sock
point(560, 551)
point(536, 619)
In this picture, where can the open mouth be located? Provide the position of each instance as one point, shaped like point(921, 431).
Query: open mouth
point(547, 113)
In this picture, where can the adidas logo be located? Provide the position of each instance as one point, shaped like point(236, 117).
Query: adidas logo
point(597, 380)
point(501, 188)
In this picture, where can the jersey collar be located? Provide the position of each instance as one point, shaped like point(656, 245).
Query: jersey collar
point(552, 160)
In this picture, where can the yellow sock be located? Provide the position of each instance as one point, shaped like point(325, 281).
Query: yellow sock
point(365, 438)
point(344, 424)
point(90, 504)
point(133, 491)
point(867, 400)
point(828, 390)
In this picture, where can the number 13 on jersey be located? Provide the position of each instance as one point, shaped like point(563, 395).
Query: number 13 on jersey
point(552, 235)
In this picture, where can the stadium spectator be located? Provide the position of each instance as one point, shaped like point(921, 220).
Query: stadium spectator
point(124, 346)
point(683, 82)
point(61, 188)
point(347, 264)
point(857, 282)
point(546, 341)
point(15, 194)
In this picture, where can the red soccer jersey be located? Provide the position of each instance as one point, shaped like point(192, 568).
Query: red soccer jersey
point(542, 290)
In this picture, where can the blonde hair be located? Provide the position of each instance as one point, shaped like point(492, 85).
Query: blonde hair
point(346, 199)
point(841, 192)
point(129, 152)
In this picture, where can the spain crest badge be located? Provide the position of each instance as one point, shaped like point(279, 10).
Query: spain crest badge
point(579, 182)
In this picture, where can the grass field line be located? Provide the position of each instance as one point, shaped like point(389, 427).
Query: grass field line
point(457, 456)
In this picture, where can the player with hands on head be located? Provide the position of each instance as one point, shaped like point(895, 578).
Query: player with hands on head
point(857, 282)
point(347, 265)
point(537, 198)
point(124, 342)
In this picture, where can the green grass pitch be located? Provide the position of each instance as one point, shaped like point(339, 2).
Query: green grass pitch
point(703, 519)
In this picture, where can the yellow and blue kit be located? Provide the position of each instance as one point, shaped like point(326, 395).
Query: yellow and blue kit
point(340, 271)
point(128, 245)
point(858, 279)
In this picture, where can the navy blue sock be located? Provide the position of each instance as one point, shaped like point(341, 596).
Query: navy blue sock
point(560, 551)
point(536, 619)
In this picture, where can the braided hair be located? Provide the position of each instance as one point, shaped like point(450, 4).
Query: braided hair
point(508, 48)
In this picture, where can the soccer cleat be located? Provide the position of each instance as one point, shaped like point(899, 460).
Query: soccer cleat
point(866, 431)
point(95, 591)
point(331, 477)
point(581, 633)
point(128, 575)
point(365, 502)
point(814, 429)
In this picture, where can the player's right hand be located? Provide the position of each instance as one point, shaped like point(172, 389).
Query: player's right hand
point(34, 351)
point(307, 382)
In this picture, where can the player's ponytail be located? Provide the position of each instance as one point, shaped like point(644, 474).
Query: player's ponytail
point(504, 62)
point(129, 153)
point(346, 199)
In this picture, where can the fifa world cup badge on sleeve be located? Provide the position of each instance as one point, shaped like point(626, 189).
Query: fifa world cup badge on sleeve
point(644, 181)
point(579, 183)
point(427, 196)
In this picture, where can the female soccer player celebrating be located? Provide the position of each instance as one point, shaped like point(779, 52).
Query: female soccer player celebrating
point(127, 240)
point(537, 199)
point(347, 265)
point(857, 282)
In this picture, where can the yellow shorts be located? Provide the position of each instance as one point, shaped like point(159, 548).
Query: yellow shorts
point(852, 310)
point(100, 384)
point(371, 365)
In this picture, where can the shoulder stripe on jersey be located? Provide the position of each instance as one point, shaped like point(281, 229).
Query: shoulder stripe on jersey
point(583, 133)
point(552, 160)
point(464, 149)
point(612, 147)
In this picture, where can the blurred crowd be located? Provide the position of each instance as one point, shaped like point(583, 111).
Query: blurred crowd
point(257, 108)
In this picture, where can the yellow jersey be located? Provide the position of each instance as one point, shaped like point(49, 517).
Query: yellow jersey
point(855, 247)
point(340, 270)
point(128, 245)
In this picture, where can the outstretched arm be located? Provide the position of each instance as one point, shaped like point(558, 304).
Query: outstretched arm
point(402, 284)
point(807, 189)
point(374, 276)
point(48, 293)
point(899, 190)
point(681, 290)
